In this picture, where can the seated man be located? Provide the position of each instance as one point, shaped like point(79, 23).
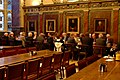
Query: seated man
point(5, 39)
point(29, 40)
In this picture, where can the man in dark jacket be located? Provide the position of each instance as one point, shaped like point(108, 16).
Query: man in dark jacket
point(88, 42)
point(40, 39)
point(29, 40)
point(50, 42)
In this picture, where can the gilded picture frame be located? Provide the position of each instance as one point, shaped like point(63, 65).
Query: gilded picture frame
point(50, 25)
point(100, 25)
point(73, 24)
point(31, 25)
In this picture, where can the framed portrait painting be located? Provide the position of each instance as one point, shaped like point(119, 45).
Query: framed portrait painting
point(73, 24)
point(32, 25)
point(100, 25)
point(50, 25)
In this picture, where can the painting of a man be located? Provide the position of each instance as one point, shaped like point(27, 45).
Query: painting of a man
point(100, 25)
point(73, 25)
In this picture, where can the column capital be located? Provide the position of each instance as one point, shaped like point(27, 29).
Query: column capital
point(41, 13)
point(60, 11)
point(86, 10)
point(115, 8)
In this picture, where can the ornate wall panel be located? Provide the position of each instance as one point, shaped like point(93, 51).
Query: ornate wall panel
point(73, 14)
point(49, 17)
point(31, 20)
point(100, 14)
point(88, 13)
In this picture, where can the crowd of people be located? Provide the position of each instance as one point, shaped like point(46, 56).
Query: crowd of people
point(47, 41)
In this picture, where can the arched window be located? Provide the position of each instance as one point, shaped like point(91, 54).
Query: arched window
point(1, 15)
point(1, 4)
point(5, 15)
point(9, 21)
point(1, 21)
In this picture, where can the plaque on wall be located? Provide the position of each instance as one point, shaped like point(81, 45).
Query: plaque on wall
point(100, 25)
point(50, 25)
point(73, 24)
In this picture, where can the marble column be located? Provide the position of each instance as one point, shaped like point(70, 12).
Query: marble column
point(41, 30)
point(60, 29)
point(86, 21)
point(115, 24)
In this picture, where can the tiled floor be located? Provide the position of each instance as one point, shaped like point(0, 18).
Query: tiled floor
point(71, 62)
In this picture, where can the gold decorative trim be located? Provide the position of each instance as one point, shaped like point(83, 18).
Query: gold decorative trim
point(50, 25)
point(73, 24)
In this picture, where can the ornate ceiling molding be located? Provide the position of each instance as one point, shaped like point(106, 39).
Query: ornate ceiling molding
point(72, 6)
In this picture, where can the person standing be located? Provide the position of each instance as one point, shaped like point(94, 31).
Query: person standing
point(109, 40)
point(100, 40)
point(40, 39)
point(88, 42)
point(50, 42)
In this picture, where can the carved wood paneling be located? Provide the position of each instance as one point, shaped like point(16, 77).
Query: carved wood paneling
point(86, 11)
point(101, 14)
point(78, 13)
point(51, 16)
point(31, 17)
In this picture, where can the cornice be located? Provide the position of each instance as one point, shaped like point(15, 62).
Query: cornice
point(87, 5)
